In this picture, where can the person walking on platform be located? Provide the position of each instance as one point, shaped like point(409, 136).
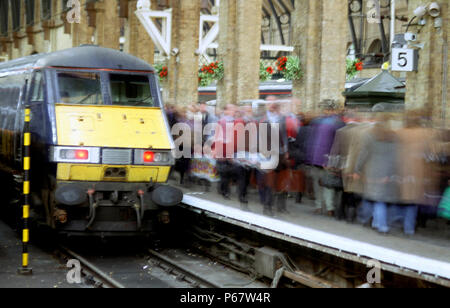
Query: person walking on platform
point(182, 164)
point(342, 159)
point(417, 181)
point(378, 160)
point(268, 179)
point(320, 141)
point(298, 152)
point(224, 149)
point(242, 172)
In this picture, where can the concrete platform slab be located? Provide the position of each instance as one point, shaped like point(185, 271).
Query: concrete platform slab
point(48, 272)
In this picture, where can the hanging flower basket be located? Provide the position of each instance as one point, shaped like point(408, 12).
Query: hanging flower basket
point(353, 67)
point(290, 67)
point(265, 72)
point(163, 72)
point(210, 73)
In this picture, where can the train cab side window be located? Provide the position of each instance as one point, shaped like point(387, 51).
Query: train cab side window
point(80, 88)
point(131, 90)
point(38, 88)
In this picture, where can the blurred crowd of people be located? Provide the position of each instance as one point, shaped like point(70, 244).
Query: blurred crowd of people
point(375, 168)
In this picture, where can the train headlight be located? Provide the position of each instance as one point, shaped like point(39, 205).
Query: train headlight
point(143, 157)
point(159, 157)
point(75, 155)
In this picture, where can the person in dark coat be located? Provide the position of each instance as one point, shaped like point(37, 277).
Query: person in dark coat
point(378, 160)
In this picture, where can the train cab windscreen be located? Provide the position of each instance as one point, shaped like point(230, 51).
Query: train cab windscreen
point(131, 90)
point(92, 88)
point(80, 88)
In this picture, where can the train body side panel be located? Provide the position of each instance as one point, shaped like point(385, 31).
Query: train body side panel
point(111, 126)
point(11, 113)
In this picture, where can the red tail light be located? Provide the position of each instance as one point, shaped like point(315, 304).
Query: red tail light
point(149, 157)
point(82, 154)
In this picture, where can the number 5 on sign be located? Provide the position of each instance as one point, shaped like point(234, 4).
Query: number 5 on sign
point(404, 59)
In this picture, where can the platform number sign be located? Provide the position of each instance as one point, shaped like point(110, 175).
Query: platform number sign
point(404, 59)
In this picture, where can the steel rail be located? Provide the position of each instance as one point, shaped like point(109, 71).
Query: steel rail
point(183, 270)
point(91, 269)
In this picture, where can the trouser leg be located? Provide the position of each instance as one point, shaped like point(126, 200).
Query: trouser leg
point(298, 197)
point(261, 186)
point(365, 212)
point(409, 224)
point(242, 183)
point(350, 204)
point(281, 202)
point(329, 195)
point(380, 217)
point(342, 206)
point(316, 173)
point(224, 172)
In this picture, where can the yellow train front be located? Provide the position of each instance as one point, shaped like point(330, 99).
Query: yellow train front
point(101, 145)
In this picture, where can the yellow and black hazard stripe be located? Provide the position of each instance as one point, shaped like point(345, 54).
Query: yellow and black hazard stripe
point(26, 192)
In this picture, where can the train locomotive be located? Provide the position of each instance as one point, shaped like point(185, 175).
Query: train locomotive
point(101, 148)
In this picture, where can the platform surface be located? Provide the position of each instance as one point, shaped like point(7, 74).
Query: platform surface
point(48, 272)
point(426, 252)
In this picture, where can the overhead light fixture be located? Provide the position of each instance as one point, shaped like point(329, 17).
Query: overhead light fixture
point(434, 9)
point(420, 11)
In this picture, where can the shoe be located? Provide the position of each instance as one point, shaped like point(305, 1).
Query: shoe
point(330, 213)
point(243, 200)
point(283, 211)
point(226, 196)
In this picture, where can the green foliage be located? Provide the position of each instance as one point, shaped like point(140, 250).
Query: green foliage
point(290, 67)
point(353, 67)
point(162, 71)
point(265, 73)
point(211, 72)
point(293, 69)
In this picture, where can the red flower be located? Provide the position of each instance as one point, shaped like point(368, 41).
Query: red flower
point(282, 60)
point(270, 70)
point(163, 72)
point(359, 66)
point(281, 63)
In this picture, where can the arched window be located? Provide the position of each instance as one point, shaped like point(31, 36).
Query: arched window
point(376, 47)
point(46, 8)
point(4, 10)
point(29, 12)
point(15, 10)
point(374, 55)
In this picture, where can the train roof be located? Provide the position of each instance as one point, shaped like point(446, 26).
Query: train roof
point(87, 56)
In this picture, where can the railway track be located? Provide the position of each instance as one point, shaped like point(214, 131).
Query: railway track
point(91, 274)
point(182, 272)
